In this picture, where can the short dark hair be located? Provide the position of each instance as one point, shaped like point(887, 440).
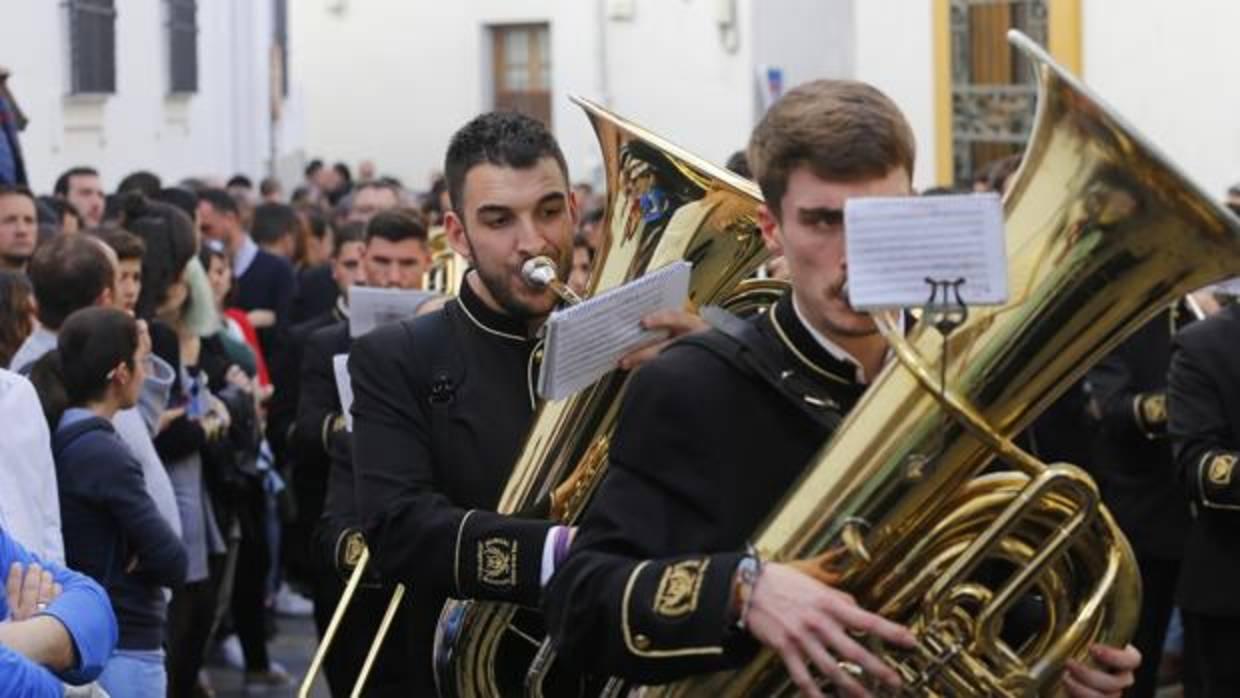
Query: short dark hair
point(169, 238)
point(181, 197)
point(125, 244)
point(220, 200)
point(999, 171)
point(841, 130)
point(239, 180)
point(273, 221)
point(17, 190)
point(61, 187)
point(68, 273)
point(738, 162)
point(313, 166)
point(316, 222)
point(61, 208)
point(503, 138)
point(90, 344)
point(396, 225)
point(143, 182)
point(354, 231)
point(268, 186)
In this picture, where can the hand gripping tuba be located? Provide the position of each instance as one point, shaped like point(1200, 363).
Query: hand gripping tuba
point(1102, 233)
point(664, 205)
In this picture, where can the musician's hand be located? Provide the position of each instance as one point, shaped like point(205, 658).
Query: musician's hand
point(807, 623)
point(1115, 673)
point(675, 323)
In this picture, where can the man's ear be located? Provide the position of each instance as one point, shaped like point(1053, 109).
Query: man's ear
point(772, 233)
point(454, 228)
point(574, 208)
point(105, 299)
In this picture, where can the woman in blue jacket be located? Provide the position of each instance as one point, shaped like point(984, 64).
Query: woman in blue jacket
point(112, 529)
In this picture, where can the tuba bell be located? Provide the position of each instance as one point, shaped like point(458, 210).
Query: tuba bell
point(664, 205)
point(1102, 233)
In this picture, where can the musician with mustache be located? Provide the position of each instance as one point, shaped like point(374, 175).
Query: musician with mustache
point(659, 585)
point(442, 402)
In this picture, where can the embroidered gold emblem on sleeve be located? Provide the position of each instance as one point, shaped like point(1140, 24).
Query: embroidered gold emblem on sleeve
point(1221, 468)
point(497, 562)
point(679, 587)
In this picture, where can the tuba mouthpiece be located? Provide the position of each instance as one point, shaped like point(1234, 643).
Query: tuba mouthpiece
point(539, 272)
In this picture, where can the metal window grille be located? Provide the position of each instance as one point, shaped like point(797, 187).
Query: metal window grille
point(183, 46)
point(993, 89)
point(92, 40)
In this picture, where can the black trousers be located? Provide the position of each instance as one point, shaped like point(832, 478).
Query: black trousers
point(189, 624)
point(1158, 581)
point(391, 674)
point(1211, 656)
point(249, 599)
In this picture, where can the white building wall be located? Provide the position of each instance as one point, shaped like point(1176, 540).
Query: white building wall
point(1169, 68)
point(220, 130)
point(895, 52)
point(391, 80)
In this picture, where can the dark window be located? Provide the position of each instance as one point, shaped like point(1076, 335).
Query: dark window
point(92, 40)
point(523, 69)
point(183, 46)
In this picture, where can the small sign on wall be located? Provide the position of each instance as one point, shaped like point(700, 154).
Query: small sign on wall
point(770, 84)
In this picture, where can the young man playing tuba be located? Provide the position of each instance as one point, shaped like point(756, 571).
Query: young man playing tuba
point(658, 585)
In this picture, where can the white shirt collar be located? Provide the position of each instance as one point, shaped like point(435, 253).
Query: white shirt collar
point(835, 350)
point(244, 256)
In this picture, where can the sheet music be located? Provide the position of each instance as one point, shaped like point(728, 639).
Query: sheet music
point(1230, 287)
point(894, 244)
point(371, 307)
point(344, 387)
point(585, 341)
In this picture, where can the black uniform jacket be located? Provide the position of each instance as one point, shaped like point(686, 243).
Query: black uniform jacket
point(442, 404)
point(704, 450)
point(1204, 409)
point(319, 430)
point(1133, 455)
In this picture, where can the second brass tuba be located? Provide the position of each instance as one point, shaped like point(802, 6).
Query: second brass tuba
point(664, 205)
point(1102, 233)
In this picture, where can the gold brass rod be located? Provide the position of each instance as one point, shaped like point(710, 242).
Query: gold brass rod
point(967, 415)
point(377, 643)
point(320, 653)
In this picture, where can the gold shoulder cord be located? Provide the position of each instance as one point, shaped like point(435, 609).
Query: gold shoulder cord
point(803, 358)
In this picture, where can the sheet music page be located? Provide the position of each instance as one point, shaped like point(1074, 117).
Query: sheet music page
point(1231, 286)
point(371, 307)
point(895, 244)
point(585, 341)
point(344, 387)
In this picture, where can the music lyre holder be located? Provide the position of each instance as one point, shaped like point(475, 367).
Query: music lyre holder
point(945, 310)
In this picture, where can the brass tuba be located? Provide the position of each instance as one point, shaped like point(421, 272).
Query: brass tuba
point(447, 268)
point(664, 205)
point(1102, 233)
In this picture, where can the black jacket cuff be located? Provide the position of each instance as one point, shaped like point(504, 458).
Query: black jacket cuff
point(1215, 484)
point(679, 608)
point(499, 558)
